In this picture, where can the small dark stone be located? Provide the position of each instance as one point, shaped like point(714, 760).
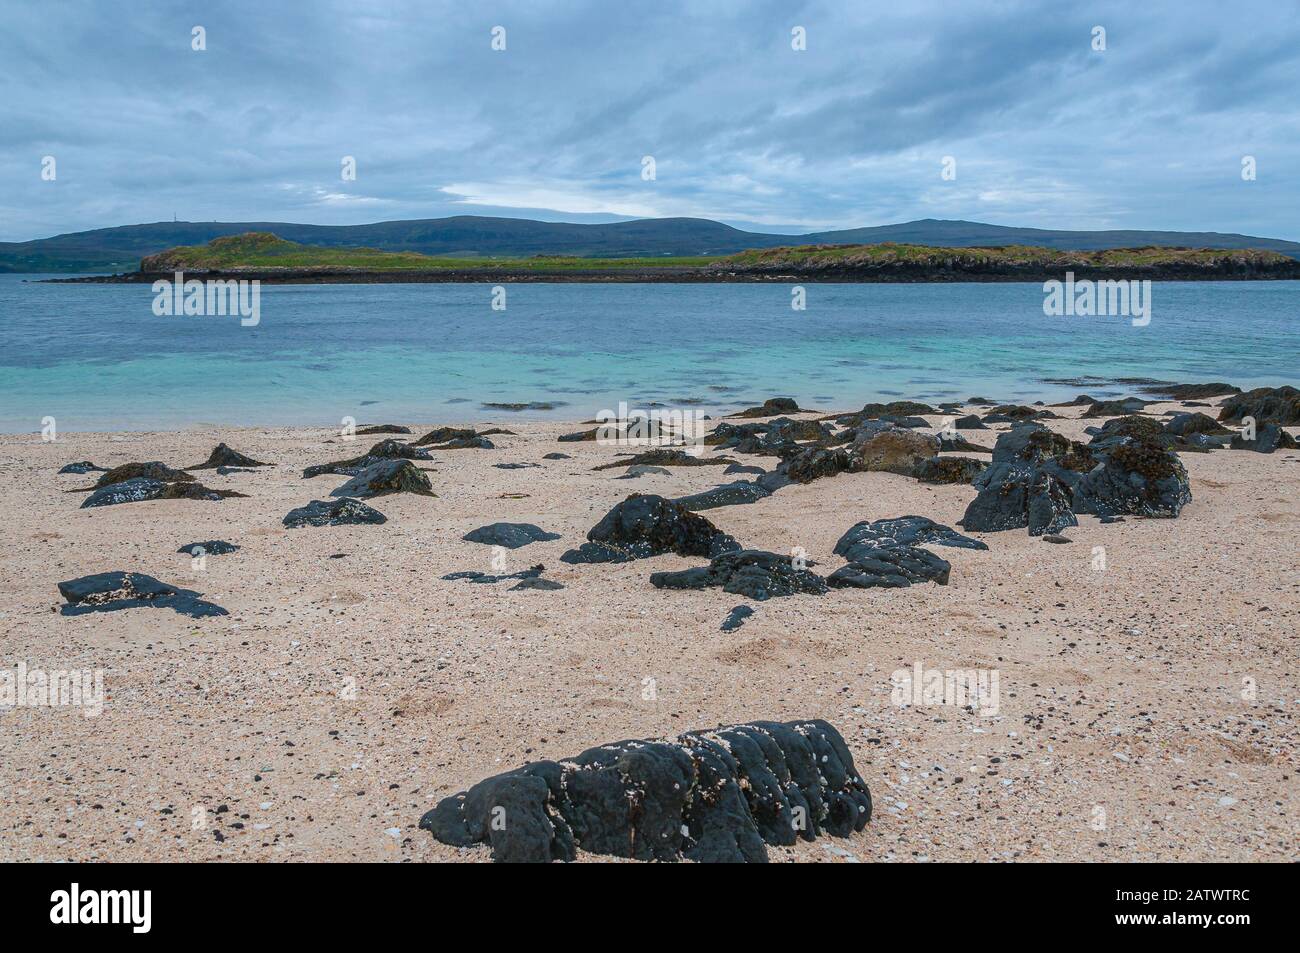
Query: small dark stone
point(949, 443)
point(223, 456)
point(384, 450)
point(942, 470)
point(1053, 538)
point(730, 494)
point(736, 618)
point(640, 470)
point(1268, 437)
point(212, 547)
point(666, 457)
point(515, 466)
point(333, 513)
point(1117, 408)
point(906, 531)
point(527, 405)
point(509, 535)
point(143, 471)
point(382, 428)
point(557, 456)
point(82, 466)
point(771, 408)
point(111, 591)
point(487, 578)
point(749, 572)
point(1187, 424)
point(891, 567)
point(969, 422)
point(141, 489)
point(1017, 412)
point(536, 583)
point(1190, 391)
point(384, 477)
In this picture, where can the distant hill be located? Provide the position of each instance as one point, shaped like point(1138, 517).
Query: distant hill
point(470, 236)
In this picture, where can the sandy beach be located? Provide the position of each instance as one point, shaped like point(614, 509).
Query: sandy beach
point(1147, 709)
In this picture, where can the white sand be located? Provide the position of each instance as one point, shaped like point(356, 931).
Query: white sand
point(1121, 690)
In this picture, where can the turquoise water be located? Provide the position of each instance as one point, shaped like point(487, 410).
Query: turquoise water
point(95, 357)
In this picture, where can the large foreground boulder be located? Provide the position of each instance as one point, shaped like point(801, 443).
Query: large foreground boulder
point(649, 525)
point(754, 573)
point(710, 796)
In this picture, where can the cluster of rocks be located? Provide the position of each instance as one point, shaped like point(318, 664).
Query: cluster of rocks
point(716, 796)
point(1039, 479)
point(137, 482)
point(384, 450)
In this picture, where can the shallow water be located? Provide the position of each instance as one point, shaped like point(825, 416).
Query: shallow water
point(95, 357)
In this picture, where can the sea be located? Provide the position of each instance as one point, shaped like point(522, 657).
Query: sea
point(96, 357)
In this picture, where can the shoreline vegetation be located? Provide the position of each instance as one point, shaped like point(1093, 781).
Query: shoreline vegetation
point(266, 257)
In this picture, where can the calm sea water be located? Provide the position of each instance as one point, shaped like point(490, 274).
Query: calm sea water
point(95, 357)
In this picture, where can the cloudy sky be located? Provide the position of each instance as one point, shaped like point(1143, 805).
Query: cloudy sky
point(1044, 129)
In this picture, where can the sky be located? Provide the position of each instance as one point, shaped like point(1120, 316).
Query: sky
point(1042, 128)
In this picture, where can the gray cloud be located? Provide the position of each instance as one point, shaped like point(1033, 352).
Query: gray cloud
point(1045, 131)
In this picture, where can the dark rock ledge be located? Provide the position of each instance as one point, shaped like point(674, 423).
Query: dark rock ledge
point(715, 796)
